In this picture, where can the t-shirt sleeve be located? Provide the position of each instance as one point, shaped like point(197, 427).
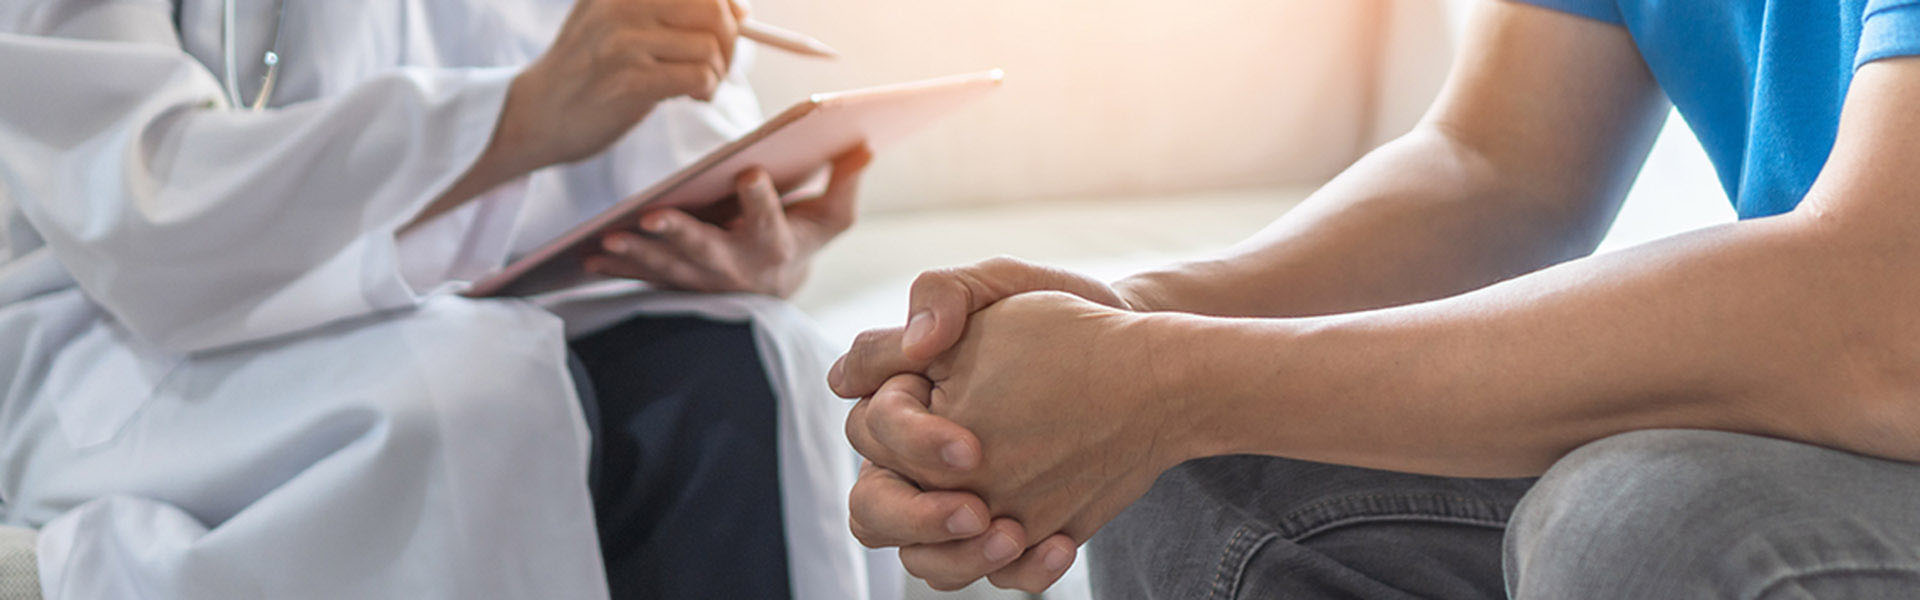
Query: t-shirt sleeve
point(1890, 28)
point(1605, 11)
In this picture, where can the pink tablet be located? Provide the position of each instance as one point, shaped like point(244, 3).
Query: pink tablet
point(792, 147)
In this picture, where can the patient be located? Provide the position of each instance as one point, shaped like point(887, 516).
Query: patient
point(1357, 402)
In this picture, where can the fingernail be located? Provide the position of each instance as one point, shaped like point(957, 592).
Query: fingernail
point(614, 244)
point(1001, 547)
point(653, 224)
point(917, 328)
point(838, 371)
point(1057, 559)
point(964, 522)
point(957, 455)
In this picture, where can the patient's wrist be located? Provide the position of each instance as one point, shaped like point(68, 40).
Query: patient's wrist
point(1182, 379)
point(1227, 379)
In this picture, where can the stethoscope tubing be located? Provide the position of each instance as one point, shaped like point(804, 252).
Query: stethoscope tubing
point(229, 26)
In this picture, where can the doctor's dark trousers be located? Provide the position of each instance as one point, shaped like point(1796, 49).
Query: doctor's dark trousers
point(686, 493)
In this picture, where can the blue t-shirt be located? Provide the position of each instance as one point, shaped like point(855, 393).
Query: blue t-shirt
point(1760, 81)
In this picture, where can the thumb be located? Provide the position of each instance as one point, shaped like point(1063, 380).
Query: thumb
point(942, 300)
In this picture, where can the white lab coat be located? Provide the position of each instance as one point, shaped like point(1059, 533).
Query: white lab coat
point(221, 376)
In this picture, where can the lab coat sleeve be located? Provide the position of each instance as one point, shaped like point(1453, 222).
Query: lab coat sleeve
point(197, 226)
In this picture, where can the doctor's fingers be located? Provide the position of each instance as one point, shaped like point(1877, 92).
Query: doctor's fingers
point(683, 47)
point(885, 509)
point(669, 80)
point(629, 256)
point(874, 358)
point(1038, 568)
point(761, 216)
point(696, 240)
point(949, 566)
point(895, 429)
point(718, 18)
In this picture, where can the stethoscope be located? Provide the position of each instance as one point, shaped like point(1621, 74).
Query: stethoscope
point(229, 24)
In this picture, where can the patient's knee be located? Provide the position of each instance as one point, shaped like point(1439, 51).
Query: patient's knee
point(1651, 514)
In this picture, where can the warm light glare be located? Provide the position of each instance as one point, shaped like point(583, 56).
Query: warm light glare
point(1102, 96)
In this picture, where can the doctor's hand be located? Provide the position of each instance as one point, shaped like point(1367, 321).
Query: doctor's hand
point(1047, 409)
point(767, 249)
point(612, 61)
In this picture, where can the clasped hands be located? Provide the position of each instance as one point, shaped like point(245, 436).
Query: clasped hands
point(1019, 410)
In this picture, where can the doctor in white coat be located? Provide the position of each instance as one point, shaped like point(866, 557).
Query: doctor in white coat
point(225, 372)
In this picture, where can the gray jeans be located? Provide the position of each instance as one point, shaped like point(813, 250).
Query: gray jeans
point(1650, 514)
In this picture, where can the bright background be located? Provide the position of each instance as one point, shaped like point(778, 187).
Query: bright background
point(1132, 133)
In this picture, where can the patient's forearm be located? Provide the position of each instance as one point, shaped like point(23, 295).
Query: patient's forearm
point(1423, 217)
point(1490, 185)
point(1784, 326)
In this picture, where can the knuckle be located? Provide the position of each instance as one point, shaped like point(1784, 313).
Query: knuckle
point(856, 423)
point(937, 283)
point(864, 535)
point(946, 583)
point(1002, 262)
point(931, 515)
point(1004, 580)
point(863, 345)
point(930, 279)
point(919, 569)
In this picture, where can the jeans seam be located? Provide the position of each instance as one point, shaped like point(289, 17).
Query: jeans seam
point(1233, 560)
point(1440, 508)
point(1778, 580)
point(1338, 523)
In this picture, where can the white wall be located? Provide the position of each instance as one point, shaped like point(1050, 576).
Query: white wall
point(1102, 96)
